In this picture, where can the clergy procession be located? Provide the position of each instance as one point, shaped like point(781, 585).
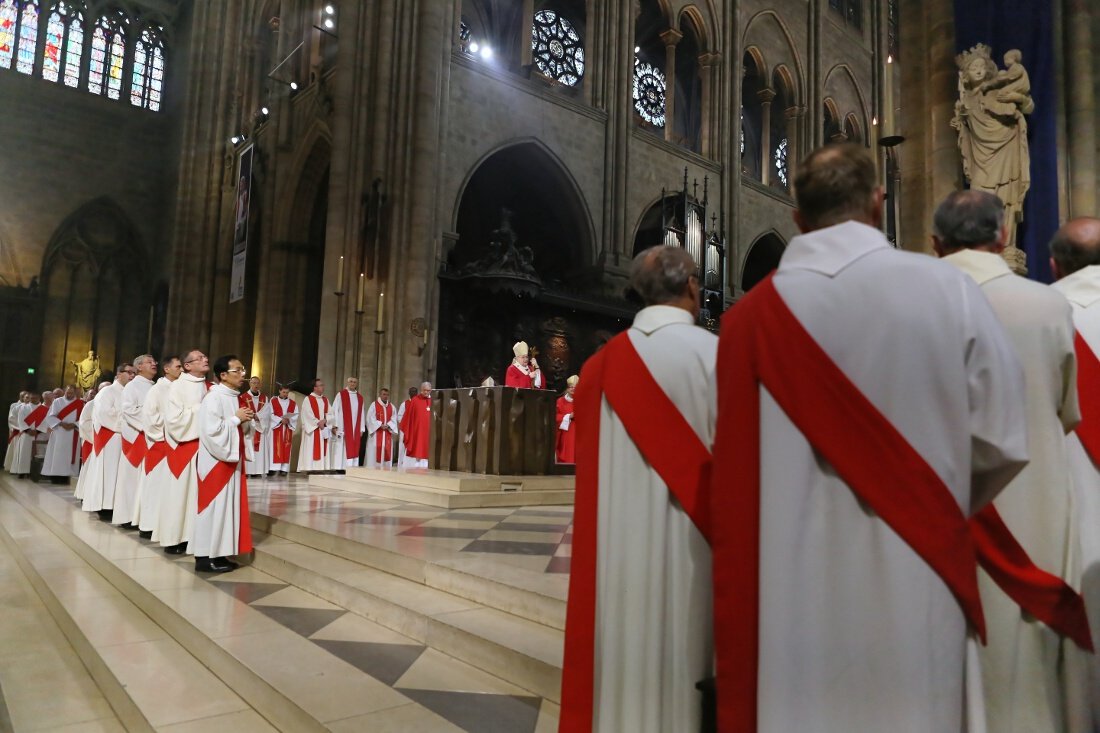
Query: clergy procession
point(870, 503)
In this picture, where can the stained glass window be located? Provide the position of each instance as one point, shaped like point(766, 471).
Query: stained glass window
point(9, 17)
point(148, 78)
point(118, 53)
point(781, 161)
point(649, 93)
point(556, 47)
point(108, 51)
point(28, 39)
point(742, 132)
point(64, 43)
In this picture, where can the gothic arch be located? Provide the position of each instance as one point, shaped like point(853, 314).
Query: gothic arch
point(703, 33)
point(307, 172)
point(768, 31)
point(762, 257)
point(841, 85)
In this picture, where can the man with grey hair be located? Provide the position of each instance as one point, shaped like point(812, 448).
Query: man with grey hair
point(1031, 675)
point(1075, 260)
point(638, 629)
point(63, 450)
point(416, 427)
point(99, 492)
point(845, 576)
point(134, 444)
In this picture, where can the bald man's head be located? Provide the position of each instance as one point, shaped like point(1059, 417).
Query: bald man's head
point(1075, 245)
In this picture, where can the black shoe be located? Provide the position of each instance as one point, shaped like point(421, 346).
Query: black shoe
point(212, 565)
point(282, 473)
point(106, 514)
point(226, 561)
point(132, 527)
point(176, 549)
point(272, 473)
point(145, 535)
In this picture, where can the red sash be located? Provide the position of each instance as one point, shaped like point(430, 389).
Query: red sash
point(102, 438)
point(157, 452)
point(763, 343)
point(135, 452)
point(183, 454)
point(281, 434)
point(246, 401)
point(37, 415)
point(670, 446)
point(320, 447)
point(67, 410)
point(1044, 596)
point(1088, 396)
point(355, 435)
point(383, 439)
point(13, 434)
point(216, 480)
point(85, 450)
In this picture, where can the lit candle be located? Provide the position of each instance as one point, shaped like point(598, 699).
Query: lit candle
point(888, 98)
point(378, 323)
point(359, 300)
point(340, 275)
point(426, 332)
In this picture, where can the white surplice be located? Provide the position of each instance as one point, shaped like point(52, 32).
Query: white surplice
point(217, 526)
point(86, 428)
point(1031, 677)
point(153, 483)
point(13, 412)
point(99, 491)
point(59, 460)
point(312, 432)
point(653, 602)
point(346, 424)
point(22, 448)
point(276, 419)
point(1082, 290)
point(400, 437)
point(857, 633)
point(260, 461)
point(133, 427)
point(376, 432)
point(179, 501)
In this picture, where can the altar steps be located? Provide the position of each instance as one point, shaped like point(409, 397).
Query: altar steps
point(452, 490)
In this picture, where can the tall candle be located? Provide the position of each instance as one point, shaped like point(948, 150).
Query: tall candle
point(378, 322)
point(888, 98)
point(359, 300)
point(340, 276)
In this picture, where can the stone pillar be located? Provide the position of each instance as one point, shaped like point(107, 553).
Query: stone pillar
point(1081, 107)
point(794, 147)
point(527, 20)
point(670, 37)
point(943, 82)
point(707, 63)
point(766, 96)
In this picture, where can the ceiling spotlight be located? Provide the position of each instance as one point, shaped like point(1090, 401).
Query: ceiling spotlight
point(637, 49)
point(474, 46)
point(329, 10)
point(236, 139)
point(294, 86)
point(265, 111)
point(329, 23)
point(486, 53)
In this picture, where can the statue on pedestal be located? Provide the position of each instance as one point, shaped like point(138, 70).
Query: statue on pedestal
point(87, 371)
point(989, 117)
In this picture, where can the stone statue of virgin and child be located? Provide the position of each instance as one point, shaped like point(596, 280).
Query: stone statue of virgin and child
point(989, 117)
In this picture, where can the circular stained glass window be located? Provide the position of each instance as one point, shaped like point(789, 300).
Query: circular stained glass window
point(556, 48)
point(649, 93)
point(781, 161)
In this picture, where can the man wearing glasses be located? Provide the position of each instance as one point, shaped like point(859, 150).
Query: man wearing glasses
point(134, 446)
point(179, 503)
point(99, 493)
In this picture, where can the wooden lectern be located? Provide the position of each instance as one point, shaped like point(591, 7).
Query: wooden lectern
point(494, 430)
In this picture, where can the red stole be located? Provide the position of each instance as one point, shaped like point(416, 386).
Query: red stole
point(135, 452)
point(353, 435)
point(246, 400)
point(320, 447)
point(76, 405)
point(214, 482)
point(157, 452)
point(383, 440)
point(36, 416)
point(1088, 396)
point(566, 451)
point(763, 343)
point(182, 456)
point(416, 426)
point(281, 434)
point(102, 438)
point(671, 447)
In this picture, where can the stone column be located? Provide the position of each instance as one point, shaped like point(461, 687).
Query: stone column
point(943, 81)
point(794, 148)
point(527, 19)
point(766, 96)
point(670, 37)
point(707, 62)
point(1081, 107)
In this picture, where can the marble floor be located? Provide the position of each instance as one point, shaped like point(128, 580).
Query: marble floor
point(347, 672)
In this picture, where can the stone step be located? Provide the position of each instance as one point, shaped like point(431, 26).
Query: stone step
point(444, 498)
point(460, 481)
point(505, 588)
point(526, 653)
point(148, 678)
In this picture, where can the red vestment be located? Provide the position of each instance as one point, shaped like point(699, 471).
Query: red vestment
point(416, 426)
point(281, 434)
point(567, 439)
point(255, 404)
point(353, 429)
point(515, 377)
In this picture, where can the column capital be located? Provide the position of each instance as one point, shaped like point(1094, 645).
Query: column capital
point(766, 96)
point(709, 59)
point(671, 37)
point(792, 113)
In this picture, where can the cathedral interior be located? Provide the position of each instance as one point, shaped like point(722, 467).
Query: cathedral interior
point(398, 190)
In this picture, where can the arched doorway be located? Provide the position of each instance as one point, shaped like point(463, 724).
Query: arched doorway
point(521, 269)
point(763, 257)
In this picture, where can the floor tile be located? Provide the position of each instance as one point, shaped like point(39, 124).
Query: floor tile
point(304, 621)
point(512, 535)
point(110, 620)
point(384, 662)
point(296, 598)
point(104, 725)
point(350, 627)
point(481, 713)
point(434, 670)
point(248, 592)
point(243, 721)
point(443, 532)
point(511, 548)
point(407, 718)
point(513, 525)
point(215, 613)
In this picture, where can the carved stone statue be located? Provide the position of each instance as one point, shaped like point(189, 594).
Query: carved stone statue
point(504, 256)
point(87, 371)
point(989, 117)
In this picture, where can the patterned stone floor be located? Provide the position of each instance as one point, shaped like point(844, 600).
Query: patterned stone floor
point(445, 694)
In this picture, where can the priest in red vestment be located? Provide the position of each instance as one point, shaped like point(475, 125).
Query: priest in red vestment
point(567, 436)
point(524, 371)
point(416, 427)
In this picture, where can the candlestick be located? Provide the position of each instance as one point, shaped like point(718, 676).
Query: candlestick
point(359, 300)
point(888, 98)
point(378, 321)
point(340, 276)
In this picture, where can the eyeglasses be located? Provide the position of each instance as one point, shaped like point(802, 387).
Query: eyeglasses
point(201, 358)
point(241, 371)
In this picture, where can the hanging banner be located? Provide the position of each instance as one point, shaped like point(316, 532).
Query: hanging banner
point(240, 224)
point(1027, 26)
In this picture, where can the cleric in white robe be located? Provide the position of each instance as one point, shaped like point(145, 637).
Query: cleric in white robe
point(254, 398)
point(348, 418)
point(99, 491)
point(284, 421)
point(221, 527)
point(21, 446)
point(1075, 251)
point(86, 428)
point(63, 449)
point(381, 431)
point(131, 465)
point(316, 412)
point(13, 431)
point(179, 501)
point(639, 641)
point(155, 472)
point(869, 403)
point(1030, 680)
point(401, 416)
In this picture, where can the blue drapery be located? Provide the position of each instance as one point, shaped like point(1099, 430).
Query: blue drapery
point(1029, 26)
